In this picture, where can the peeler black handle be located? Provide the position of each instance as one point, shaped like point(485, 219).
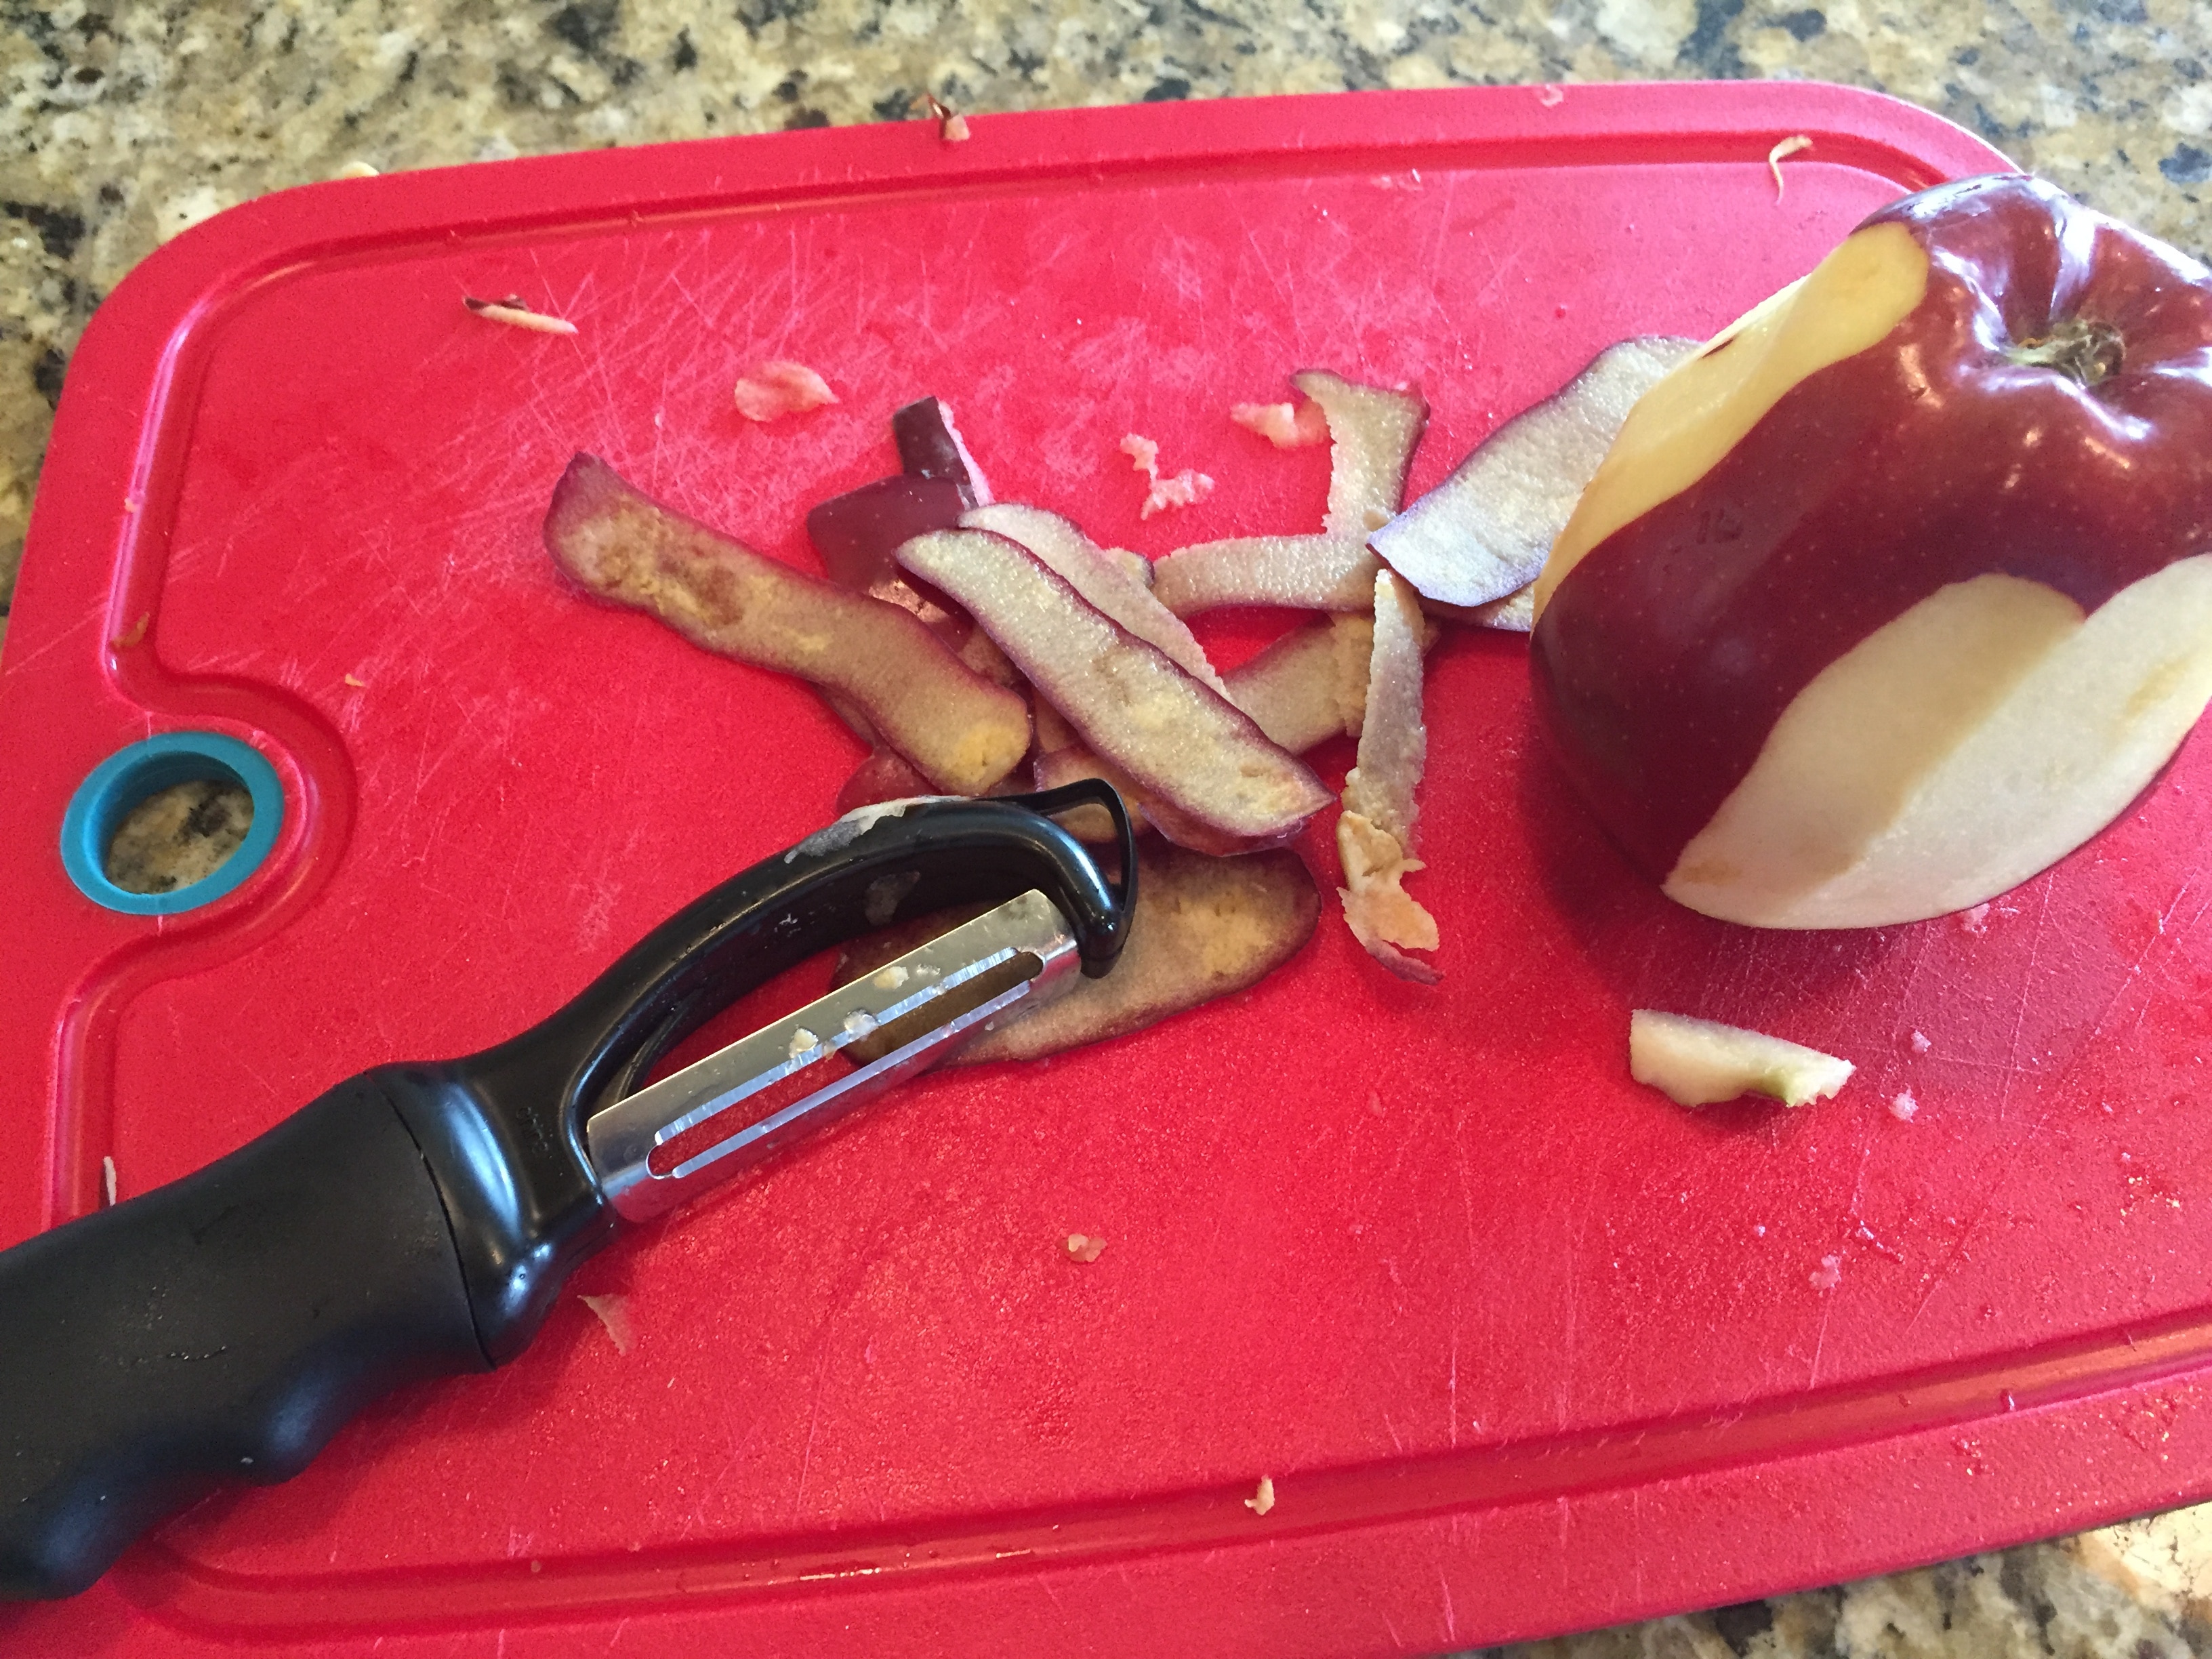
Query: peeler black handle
point(220, 1327)
point(417, 1220)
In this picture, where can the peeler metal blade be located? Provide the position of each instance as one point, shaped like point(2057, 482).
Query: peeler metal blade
point(699, 1126)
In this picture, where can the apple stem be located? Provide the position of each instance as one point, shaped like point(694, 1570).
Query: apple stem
point(2087, 352)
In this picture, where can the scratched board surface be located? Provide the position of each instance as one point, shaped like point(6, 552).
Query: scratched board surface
point(1521, 1345)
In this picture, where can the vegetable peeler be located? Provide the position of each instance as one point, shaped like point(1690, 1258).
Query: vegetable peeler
point(419, 1219)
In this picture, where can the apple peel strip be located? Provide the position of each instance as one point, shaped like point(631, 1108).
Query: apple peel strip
point(1483, 533)
point(1375, 834)
point(957, 729)
point(1180, 741)
point(1203, 928)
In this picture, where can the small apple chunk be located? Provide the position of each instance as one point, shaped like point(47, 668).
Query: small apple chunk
point(1900, 589)
point(1698, 1062)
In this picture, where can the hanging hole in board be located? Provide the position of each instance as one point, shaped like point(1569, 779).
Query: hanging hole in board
point(171, 824)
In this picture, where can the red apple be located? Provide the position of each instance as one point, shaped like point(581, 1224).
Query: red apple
point(1901, 588)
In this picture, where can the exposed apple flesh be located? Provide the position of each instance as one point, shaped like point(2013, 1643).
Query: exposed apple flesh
point(1372, 432)
point(1203, 928)
point(1956, 751)
point(1181, 742)
point(1699, 1062)
point(1099, 577)
point(1897, 590)
point(1484, 531)
point(960, 731)
point(1374, 832)
point(930, 447)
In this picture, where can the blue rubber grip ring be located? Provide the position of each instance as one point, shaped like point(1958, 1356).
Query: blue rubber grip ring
point(128, 776)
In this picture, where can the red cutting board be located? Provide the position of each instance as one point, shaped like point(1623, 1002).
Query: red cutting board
point(1523, 1346)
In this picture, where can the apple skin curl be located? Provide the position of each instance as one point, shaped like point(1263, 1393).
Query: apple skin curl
point(2043, 411)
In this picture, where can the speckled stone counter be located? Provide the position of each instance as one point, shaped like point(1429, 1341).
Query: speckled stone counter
point(125, 123)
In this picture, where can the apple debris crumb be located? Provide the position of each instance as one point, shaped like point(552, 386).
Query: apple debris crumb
point(1830, 1274)
point(1903, 1107)
point(1264, 1499)
point(1774, 157)
point(770, 389)
point(1920, 1042)
point(1184, 489)
point(613, 1312)
point(355, 170)
point(355, 681)
point(804, 1041)
point(107, 1181)
point(1287, 425)
point(134, 634)
point(515, 312)
point(1552, 97)
point(1976, 920)
point(1085, 1247)
point(951, 124)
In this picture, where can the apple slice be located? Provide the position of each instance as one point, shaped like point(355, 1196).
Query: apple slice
point(1696, 1062)
point(1375, 833)
point(1097, 575)
point(1203, 927)
point(1183, 742)
point(1372, 431)
point(1484, 531)
point(930, 447)
point(960, 731)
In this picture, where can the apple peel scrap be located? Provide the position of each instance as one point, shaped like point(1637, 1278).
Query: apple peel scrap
point(1203, 927)
point(1181, 741)
point(1482, 535)
point(1372, 431)
point(958, 730)
point(1375, 833)
point(1698, 1062)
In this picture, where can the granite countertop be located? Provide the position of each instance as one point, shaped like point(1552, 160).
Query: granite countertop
point(125, 123)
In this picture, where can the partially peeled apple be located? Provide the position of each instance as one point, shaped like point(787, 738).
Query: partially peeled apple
point(1901, 589)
